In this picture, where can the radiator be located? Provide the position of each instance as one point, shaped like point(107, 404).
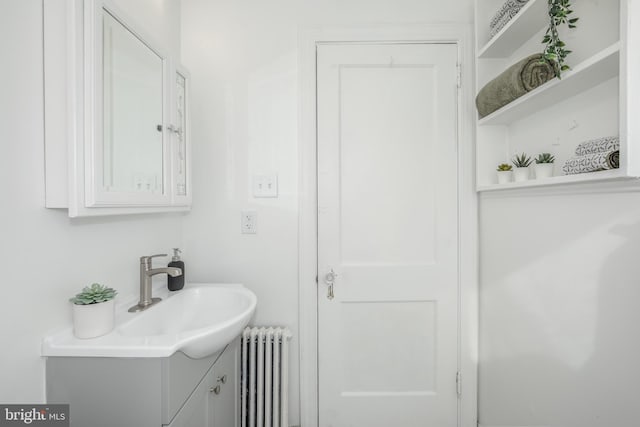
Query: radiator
point(265, 377)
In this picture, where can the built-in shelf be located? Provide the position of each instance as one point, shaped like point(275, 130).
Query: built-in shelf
point(557, 180)
point(529, 20)
point(595, 70)
point(596, 98)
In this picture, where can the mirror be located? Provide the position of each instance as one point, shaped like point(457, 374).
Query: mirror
point(133, 113)
point(181, 119)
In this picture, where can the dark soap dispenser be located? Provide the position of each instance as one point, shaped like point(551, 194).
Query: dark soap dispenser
point(176, 283)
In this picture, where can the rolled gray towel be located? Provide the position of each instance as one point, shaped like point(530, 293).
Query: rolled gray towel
point(592, 163)
point(599, 145)
point(514, 82)
point(506, 8)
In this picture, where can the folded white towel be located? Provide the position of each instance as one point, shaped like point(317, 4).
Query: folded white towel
point(592, 162)
point(503, 22)
point(507, 7)
point(598, 145)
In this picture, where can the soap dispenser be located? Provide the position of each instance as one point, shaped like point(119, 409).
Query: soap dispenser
point(176, 283)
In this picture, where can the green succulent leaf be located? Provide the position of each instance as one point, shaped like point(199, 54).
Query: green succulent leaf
point(521, 161)
point(94, 294)
point(545, 158)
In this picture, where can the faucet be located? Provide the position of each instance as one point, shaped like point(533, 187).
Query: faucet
point(146, 272)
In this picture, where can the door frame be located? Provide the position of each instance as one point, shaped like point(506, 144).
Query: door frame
point(309, 38)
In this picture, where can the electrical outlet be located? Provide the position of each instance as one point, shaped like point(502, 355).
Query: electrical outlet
point(249, 222)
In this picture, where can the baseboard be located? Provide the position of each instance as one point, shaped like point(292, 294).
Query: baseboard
point(491, 425)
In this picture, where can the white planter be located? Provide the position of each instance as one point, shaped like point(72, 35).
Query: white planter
point(521, 174)
point(504, 177)
point(544, 170)
point(93, 320)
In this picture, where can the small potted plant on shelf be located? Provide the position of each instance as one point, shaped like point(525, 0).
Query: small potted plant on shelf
point(504, 173)
point(93, 311)
point(521, 162)
point(544, 165)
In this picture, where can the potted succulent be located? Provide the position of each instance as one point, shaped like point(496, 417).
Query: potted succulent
point(521, 162)
point(544, 165)
point(93, 311)
point(504, 173)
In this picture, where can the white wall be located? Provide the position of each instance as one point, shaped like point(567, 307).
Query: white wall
point(46, 257)
point(560, 288)
point(243, 62)
point(559, 273)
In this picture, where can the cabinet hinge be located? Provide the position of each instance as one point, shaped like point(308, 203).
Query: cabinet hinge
point(459, 72)
point(458, 383)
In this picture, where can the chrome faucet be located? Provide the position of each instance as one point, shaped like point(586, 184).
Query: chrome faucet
point(146, 273)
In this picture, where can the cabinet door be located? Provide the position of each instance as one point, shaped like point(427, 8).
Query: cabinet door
point(225, 403)
point(180, 141)
point(214, 403)
point(111, 150)
point(198, 409)
point(126, 144)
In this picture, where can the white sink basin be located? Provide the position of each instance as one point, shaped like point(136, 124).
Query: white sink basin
point(199, 320)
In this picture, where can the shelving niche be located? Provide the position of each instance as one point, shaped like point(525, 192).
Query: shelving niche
point(591, 100)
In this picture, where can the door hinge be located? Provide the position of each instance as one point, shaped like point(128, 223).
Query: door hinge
point(458, 384)
point(459, 72)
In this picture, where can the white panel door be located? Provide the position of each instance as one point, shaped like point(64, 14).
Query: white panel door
point(388, 228)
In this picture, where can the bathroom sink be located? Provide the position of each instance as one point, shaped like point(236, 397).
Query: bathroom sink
point(203, 319)
point(199, 320)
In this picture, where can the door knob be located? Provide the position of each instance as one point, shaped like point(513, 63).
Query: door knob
point(330, 279)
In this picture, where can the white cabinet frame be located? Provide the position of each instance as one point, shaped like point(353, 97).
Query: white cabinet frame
point(183, 131)
point(73, 115)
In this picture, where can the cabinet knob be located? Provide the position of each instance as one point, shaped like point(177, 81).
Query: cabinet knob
point(222, 379)
point(215, 389)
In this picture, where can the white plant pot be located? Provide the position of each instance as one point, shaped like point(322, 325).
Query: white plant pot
point(93, 320)
point(544, 170)
point(504, 177)
point(521, 174)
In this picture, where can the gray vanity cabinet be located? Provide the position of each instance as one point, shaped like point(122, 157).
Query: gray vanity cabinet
point(214, 402)
point(226, 404)
point(152, 392)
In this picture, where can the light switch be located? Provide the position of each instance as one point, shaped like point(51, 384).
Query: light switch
point(265, 185)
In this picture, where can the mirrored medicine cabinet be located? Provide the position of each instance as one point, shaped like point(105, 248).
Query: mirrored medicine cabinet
point(116, 115)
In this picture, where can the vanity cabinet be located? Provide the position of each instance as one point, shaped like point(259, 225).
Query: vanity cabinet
point(149, 392)
point(117, 137)
point(214, 402)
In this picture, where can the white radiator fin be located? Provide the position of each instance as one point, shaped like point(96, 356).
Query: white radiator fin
point(265, 377)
